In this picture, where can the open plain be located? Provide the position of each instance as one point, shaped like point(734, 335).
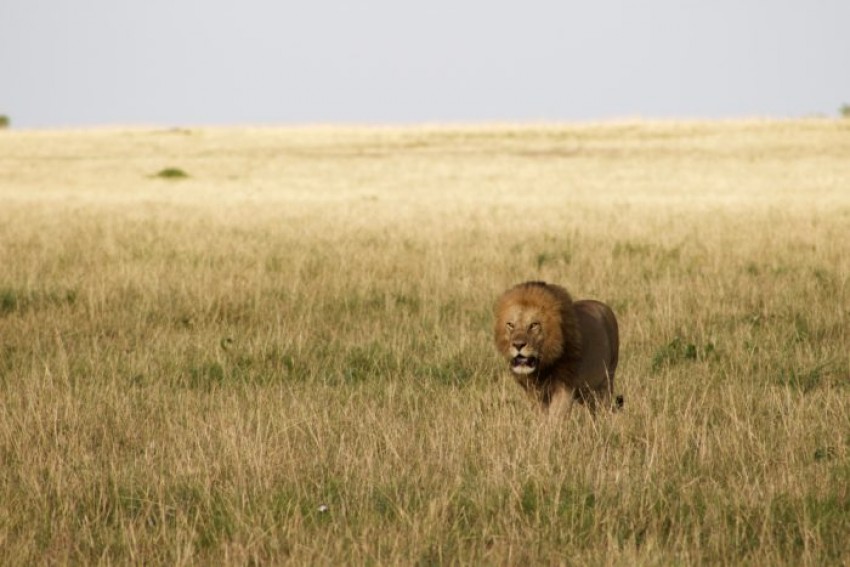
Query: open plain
point(274, 345)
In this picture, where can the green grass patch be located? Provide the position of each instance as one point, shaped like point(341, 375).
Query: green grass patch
point(171, 173)
point(19, 300)
point(808, 379)
point(681, 350)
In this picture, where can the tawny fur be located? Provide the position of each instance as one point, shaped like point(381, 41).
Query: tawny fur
point(568, 350)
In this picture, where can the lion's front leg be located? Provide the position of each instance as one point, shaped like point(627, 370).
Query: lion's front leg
point(561, 402)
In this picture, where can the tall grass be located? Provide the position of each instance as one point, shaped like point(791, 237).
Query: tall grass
point(286, 357)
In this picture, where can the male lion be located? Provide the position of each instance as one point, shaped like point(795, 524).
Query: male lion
point(559, 351)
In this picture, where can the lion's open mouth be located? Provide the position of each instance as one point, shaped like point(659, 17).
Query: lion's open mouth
point(524, 364)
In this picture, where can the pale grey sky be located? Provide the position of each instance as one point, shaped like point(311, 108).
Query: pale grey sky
point(182, 62)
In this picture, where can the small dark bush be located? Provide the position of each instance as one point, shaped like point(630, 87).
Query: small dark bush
point(172, 173)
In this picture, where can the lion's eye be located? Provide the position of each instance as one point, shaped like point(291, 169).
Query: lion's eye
point(535, 326)
point(509, 326)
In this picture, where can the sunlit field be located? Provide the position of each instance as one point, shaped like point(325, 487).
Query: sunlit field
point(266, 346)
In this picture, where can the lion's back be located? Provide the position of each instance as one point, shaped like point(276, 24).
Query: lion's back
point(600, 343)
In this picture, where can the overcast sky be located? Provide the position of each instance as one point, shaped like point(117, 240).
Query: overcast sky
point(181, 62)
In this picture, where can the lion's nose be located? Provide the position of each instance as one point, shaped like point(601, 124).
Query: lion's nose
point(518, 344)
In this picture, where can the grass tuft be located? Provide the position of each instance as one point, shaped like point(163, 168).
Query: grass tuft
point(20, 300)
point(171, 173)
point(680, 350)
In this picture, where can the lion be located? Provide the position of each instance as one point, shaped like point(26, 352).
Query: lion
point(559, 350)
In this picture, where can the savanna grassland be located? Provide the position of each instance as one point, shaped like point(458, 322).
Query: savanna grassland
point(266, 346)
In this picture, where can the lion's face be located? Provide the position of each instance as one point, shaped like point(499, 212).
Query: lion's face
point(523, 334)
point(528, 329)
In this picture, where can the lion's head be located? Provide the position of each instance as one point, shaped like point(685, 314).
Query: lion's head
point(535, 327)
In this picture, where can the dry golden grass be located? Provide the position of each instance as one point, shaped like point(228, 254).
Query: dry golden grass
point(284, 356)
